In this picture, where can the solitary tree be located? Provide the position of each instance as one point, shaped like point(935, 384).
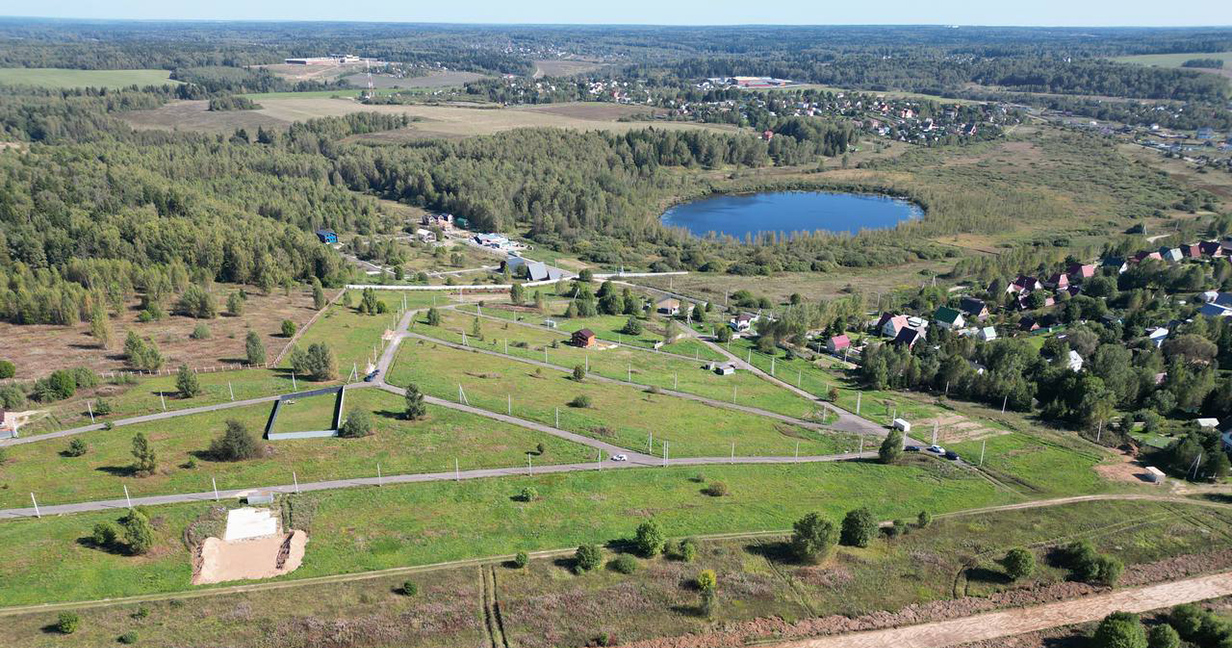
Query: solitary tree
point(724, 334)
point(434, 317)
point(517, 293)
point(100, 328)
point(415, 407)
point(288, 328)
point(235, 444)
point(318, 294)
point(138, 532)
point(812, 538)
point(859, 528)
point(708, 584)
point(633, 326)
point(650, 539)
point(235, 303)
point(1163, 636)
point(358, 424)
point(579, 373)
point(1019, 563)
point(146, 461)
point(254, 348)
point(587, 557)
point(891, 448)
point(186, 382)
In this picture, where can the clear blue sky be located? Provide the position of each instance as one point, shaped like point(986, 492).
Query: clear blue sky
point(663, 12)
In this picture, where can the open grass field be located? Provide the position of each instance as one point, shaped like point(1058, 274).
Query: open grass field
point(560, 67)
point(546, 605)
point(306, 414)
point(622, 363)
point(148, 396)
point(1174, 60)
point(280, 109)
point(185, 466)
point(356, 339)
point(68, 78)
point(374, 528)
point(625, 416)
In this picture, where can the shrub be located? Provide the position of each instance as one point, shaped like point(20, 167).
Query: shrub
point(1019, 563)
point(716, 489)
point(1187, 619)
point(1163, 636)
point(141, 613)
point(409, 588)
point(521, 560)
point(7, 369)
point(832, 395)
point(586, 558)
point(580, 401)
point(434, 317)
point(358, 424)
point(254, 349)
point(196, 302)
point(1120, 630)
point(624, 563)
point(289, 328)
point(898, 528)
point(129, 637)
point(633, 326)
point(235, 444)
point(76, 448)
point(12, 397)
point(146, 461)
point(688, 550)
point(650, 539)
point(318, 362)
point(104, 534)
point(924, 519)
point(528, 494)
point(579, 373)
point(103, 407)
point(68, 622)
point(812, 538)
point(859, 528)
point(200, 332)
point(84, 378)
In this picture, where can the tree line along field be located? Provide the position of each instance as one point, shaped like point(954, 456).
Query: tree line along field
point(68, 78)
point(185, 464)
point(355, 530)
point(546, 604)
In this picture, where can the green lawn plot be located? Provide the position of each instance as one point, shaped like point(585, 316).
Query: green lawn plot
point(308, 414)
point(400, 446)
point(66, 78)
point(606, 327)
point(641, 366)
point(622, 415)
point(289, 617)
point(819, 377)
point(353, 530)
point(154, 394)
point(315, 94)
point(758, 578)
point(355, 338)
point(1174, 60)
point(1033, 465)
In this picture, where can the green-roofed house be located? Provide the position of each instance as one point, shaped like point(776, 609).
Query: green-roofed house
point(949, 318)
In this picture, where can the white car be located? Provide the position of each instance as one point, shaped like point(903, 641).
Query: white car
point(937, 449)
point(619, 457)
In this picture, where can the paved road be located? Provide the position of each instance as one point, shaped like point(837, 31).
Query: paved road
point(1006, 623)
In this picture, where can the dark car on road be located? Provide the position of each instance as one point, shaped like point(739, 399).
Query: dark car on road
point(951, 455)
point(372, 376)
point(912, 448)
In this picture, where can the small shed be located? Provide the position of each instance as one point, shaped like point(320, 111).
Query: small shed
point(902, 424)
point(1154, 475)
point(838, 344)
point(260, 497)
point(668, 306)
point(722, 368)
point(327, 236)
point(583, 338)
point(550, 323)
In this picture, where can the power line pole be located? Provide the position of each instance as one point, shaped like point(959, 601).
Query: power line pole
point(37, 514)
point(214, 482)
point(983, 445)
point(126, 497)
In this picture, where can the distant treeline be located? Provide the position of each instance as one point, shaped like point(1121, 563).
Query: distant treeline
point(1204, 63)
point(232, 102)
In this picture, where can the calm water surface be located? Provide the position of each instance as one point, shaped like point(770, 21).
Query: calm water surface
point(789, 211)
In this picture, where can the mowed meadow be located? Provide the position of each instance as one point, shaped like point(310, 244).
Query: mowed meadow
point(67, 78)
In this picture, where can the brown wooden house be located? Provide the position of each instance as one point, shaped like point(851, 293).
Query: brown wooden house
point(583, 338)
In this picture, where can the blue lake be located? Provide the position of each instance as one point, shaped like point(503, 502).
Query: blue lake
point(789, 211)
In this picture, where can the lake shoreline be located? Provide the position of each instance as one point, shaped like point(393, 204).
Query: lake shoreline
point(790, 212)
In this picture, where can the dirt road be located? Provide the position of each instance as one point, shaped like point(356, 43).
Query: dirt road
point(1007, 623)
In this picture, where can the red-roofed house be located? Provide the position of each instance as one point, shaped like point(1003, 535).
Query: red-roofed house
point(1079, 271)
point(1058, 281)
point(838, 344)
point(890, 325)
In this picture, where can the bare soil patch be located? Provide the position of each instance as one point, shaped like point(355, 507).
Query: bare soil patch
point(592, 110)
point(196, 116)
point(267, 557)
point(40, 349)
point(558, 67)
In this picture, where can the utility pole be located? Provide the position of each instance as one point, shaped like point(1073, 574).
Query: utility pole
point(665, 454)
point(214, 482)
point(163, 399)
point(558, 418)
point(91, 408)
point(126, 497)
point(529, 469)
point(1003, 402)
point(37, 514)
point(509, 404)
point(294, 384)
point(797, 450)
point(858, 395)
point(733, 452)
point(983, 445)
point(934, 432)
point(457, 473)
point(232, 389)
point(295, 480)
point(379, 480)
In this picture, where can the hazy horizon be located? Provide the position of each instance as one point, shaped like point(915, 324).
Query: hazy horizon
point(1045, 13)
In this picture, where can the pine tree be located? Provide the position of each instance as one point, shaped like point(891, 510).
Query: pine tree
point(318, 294)
point(186, 382)
point(147, 461)
point(415, 407)
point(254, 349)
